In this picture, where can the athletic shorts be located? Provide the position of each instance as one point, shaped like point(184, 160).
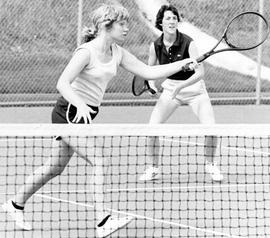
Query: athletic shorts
point(187, 94)
point(61, 107)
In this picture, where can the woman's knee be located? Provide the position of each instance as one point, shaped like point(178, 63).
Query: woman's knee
point(57, 163)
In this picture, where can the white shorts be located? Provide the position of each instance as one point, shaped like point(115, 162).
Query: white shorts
point(187, 94)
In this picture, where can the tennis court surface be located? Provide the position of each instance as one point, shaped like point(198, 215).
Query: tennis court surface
point(184, 202)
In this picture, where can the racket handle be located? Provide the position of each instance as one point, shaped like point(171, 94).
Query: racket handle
point(152, 91)
point(186, 67)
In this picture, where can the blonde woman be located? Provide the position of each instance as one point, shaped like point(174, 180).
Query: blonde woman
point(82, 85)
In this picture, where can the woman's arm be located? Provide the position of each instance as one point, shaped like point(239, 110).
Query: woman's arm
point(135, 66)
point(77, 63)
point(152, 60)
point(199, 71)
point(152, 57)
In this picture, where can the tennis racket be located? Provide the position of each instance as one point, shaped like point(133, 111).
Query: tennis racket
point(140, 85)
point(246, 31)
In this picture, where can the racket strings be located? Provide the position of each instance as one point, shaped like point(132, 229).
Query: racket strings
point(246, 31)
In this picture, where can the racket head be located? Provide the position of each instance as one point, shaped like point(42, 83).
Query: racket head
point(246, 31)
point(140, 85)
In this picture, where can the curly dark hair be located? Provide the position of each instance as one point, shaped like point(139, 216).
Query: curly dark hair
point(161, 12)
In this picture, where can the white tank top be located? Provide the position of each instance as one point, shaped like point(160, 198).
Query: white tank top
point(92, 81)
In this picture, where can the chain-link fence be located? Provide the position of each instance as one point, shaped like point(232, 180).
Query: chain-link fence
point(38, 38)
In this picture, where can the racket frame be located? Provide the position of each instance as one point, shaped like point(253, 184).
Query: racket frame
point(146, 87)
point(231, 47)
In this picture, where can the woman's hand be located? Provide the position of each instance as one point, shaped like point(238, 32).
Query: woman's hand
point(153, 86)
point(192, 65)
point(189, 64)
point(83, 112)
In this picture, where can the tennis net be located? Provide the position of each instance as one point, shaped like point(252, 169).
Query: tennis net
point(183, 202)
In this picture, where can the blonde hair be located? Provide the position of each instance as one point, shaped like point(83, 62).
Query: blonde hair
point(106, 14)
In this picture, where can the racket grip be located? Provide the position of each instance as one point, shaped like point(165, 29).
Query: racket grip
point(152, 91)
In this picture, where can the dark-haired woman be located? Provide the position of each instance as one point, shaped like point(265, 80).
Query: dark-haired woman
point(179, 88)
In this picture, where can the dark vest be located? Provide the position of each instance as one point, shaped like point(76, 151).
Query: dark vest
point(178, 51)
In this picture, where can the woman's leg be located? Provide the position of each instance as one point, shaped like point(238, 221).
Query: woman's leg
point(106, 223)
point(54, 166)
point(61, 154)
point(98, 187)
point(99, 163)
point(202, 108)
point(164, 108)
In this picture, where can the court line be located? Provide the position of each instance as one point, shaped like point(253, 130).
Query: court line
point(189, 187)
point(163, 188)
point(222, 147)
point(143, 217)
point(154, 188)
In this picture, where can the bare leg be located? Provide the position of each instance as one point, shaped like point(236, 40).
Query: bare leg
point(98, 187)
point(106, 223)
point(61, 154)
point(99, 165)
point(203, 109)
point(162, 111)
point(210, 148)
point(153, 149)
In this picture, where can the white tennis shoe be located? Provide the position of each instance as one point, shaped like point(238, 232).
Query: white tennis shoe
point(16, 215)
point(214, 171)
point(151, 173)
point(112, 225)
